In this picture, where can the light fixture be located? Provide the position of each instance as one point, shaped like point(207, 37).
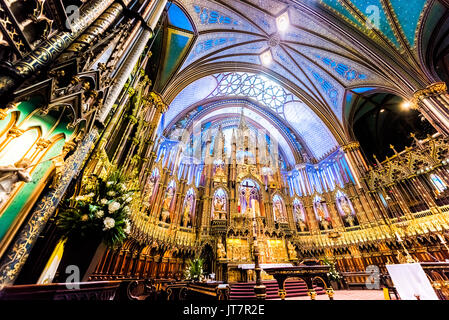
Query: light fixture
point(283, 22)
point(382, 110)
point(266, 57)
point(406, 105)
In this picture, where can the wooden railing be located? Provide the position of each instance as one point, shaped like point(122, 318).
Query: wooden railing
point(128, 290)
point(103, 290)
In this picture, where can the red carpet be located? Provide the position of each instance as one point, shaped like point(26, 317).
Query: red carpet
point(294, 288)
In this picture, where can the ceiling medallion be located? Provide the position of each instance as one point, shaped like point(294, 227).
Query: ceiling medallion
point(274, 40)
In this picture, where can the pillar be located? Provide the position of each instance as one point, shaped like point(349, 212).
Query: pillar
point(433, 103)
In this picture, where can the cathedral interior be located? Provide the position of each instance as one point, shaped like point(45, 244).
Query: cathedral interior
point(202, 149)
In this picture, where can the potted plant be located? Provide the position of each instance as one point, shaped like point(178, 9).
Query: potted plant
point(194, 271)
point(94, 221)
point(333, 274)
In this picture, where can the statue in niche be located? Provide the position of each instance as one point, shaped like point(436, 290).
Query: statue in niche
point(166, 204)
point(219, 170)
point(346, 208)
point(221, 252)
point(12, 174)
point(322, 216)
point(291, 251)
point(320, 211)
point(279, 212)
point(302, 225)
point(186, 215)
point(219, 206)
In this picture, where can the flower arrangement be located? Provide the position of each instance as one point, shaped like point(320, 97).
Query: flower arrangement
point(333, 274)
point(103, 211)
point(195, 270)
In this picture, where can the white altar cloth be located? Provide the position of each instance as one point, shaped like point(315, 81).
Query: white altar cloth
point(411, 281)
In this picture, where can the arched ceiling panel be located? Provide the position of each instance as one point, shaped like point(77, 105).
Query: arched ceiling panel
point(329, 47)
point(310, 127)
point(319, 63)
point(265, 92)
point(191, 94)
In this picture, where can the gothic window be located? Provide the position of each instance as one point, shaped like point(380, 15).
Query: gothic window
point(18, 148)
point(438, 183)
point(271, 94)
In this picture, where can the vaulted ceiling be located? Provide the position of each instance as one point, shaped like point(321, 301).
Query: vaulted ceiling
point(330, 48)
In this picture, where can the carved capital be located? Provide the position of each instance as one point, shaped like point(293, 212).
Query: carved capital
point(431, 90)
point(352, 146)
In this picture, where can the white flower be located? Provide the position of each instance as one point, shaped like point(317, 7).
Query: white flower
point(109, 223)
point(79, 198)
point(126, 210)
point(103, 201)
point(109, 183)
point(111, 193)
point(90, 195)
point(99, 214)
point(122, 186)
point(127, 226)
point(113, 206)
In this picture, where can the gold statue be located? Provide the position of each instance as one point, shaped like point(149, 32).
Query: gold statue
point(302, 225)
point(219, 171)
point(186, 215)
point(401, 258)
point(346, 208)
point(221, 251)
point(166, 205)
point(291, 251)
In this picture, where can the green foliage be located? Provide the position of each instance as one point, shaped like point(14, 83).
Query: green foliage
point(102, 212)
point(333, 274)
point(195, 270)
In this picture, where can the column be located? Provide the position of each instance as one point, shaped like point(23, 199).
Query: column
point(433, 103)
point(356, 161)
point(132, 59)
point(50, 49)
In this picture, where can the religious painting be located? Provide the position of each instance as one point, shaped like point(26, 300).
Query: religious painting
point(167, 202)
point(299, 214)
point(322, 214)
point(279, 211)
point(248, 201)
point(346, 209)
point(188, 209)
point(219, 205)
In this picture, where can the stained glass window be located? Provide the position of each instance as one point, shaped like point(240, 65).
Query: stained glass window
point(438, 183)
